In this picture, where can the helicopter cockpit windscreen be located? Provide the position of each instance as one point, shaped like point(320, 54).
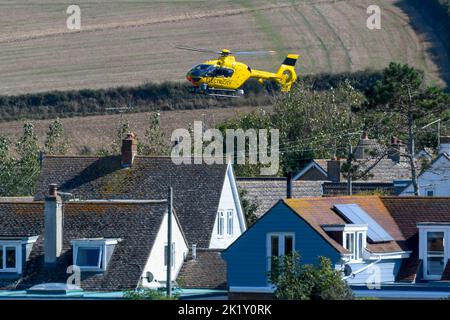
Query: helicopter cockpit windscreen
point(202, 70)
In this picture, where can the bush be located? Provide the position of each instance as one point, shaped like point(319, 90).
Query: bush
point(148, 294)
point(295, 281)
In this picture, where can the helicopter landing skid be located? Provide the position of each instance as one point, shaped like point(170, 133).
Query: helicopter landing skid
point(220, 92)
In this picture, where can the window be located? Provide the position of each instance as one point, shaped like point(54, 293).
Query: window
point(172, 256)
point(435, 255)
point(355, 243)
point(93, 254)
point(9, 257)
point(89, 257)
point(220, 223)
point(429, 192)
point(279, 244)
point(230, 222)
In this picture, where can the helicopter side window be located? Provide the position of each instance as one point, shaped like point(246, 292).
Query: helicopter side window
point(224, 72)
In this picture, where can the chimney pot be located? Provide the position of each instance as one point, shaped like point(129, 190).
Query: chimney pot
point(365, 135)
point(52, 189)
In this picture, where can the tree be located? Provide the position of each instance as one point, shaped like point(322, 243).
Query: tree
point(402, 91)
point(55, 141)
point(7, 165)
point(316, 124)
point(295, 281)
point(154, 143)
point(27, 168)
point(249, 207)
point(121, 132)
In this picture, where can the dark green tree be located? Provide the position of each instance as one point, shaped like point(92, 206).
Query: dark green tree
point(402, 92)
point(249, 206)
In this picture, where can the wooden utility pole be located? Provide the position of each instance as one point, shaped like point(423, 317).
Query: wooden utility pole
point(169, 243)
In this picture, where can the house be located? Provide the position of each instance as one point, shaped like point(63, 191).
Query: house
point(377, 241)
point(383, 175)
point(205, 197)
point(96, 245)
point(434, 180)
point(264, 192)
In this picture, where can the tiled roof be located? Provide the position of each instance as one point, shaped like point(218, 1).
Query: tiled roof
point(319, 211)
point(340, 188)
point(207, 271)
point(407, 213)
point(136, 224)
point(196, 188)
point(385, 170)
point(265, 192)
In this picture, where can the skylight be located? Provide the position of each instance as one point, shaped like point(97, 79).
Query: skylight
point(356, 215)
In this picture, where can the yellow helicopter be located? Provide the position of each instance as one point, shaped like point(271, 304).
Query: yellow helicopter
point(225, 76)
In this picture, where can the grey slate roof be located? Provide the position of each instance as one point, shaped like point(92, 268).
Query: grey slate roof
point(340, 188)
point(196, 188)
point(385, 170)
point(265, 192)
point(135, 224)
point(207, 271)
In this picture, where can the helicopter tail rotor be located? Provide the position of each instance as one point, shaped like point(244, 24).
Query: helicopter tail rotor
point(286, 72)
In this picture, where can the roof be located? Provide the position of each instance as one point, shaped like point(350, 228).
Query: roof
point(319, 212)
point(196, 188)
point(408, 212)
point(207, 271)
point(340, 188)
point(136, 224)
point(265, 192)
point(386, 170)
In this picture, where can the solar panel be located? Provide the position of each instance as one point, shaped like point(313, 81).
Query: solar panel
point(356, 215)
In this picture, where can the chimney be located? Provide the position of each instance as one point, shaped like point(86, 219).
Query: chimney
point(334, 170)
point(362, 150)
point(394, 150)
point(129, 150)
point(53, 226)
point(365, 135)
point(289, 185)
point(444, 146)
point(194, 252)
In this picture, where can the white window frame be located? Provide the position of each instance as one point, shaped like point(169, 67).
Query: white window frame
point(281, 245)
point(423, 247)
point(172, 261)
point(220, 223)
point(92, 244)
point(357, 255)
point(17, 244)
point(230, 215)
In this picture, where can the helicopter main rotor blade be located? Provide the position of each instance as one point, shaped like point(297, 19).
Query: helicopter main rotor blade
point(197, 49)
point(256, 53)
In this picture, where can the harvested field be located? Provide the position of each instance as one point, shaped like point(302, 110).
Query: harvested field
point(97, 132)
point(129, 42)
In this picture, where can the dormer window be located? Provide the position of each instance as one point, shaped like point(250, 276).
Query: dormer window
point(351, 236)
point(93, 254)
point(433, 240)
point(14, 253)
point(10, 256)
